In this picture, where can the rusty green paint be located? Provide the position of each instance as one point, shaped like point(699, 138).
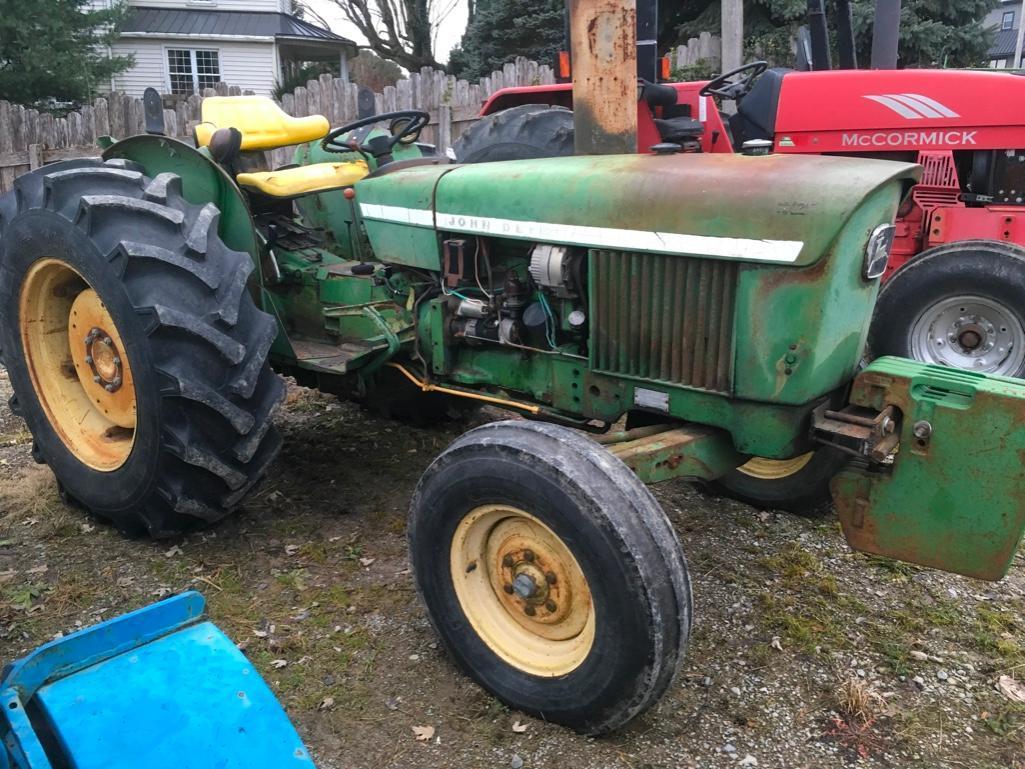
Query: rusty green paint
point(956, 499)
point(691, 452)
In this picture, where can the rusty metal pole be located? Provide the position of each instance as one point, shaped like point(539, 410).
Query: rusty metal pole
point(603, 45)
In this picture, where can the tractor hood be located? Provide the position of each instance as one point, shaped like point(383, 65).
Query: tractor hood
point(769, 209)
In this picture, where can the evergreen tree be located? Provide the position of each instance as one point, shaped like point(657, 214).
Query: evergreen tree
point(933, 33)
point(53, 52)
point(499, 31)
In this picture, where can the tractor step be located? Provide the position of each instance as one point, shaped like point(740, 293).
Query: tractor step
point(159, 687)
point(341, 358)
point(663, 452)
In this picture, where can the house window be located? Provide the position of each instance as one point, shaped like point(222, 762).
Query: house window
point(1007, 22)
point(190, 71)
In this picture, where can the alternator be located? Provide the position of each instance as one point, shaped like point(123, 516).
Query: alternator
point(549, 267)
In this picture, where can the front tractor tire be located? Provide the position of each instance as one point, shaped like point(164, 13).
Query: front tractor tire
point(960, 305)
point(137, 356)
point(551, 574)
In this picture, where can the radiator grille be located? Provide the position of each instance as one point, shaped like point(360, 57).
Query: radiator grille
point(660, 317)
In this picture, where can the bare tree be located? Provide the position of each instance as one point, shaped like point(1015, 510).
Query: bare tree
point(403, 31)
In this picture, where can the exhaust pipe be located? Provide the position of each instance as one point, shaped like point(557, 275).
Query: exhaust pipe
point(845, 49)
point(819, 35)
point(886, 34)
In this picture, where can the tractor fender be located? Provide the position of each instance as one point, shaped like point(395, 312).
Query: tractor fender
point(203, 181)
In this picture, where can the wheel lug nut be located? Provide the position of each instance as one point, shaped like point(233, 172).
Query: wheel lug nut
point(116, 382)
point(107, 341)
point(528, 555)
point(110, 388)
point(550, 578)
point(507, 561)
point(117, 361)
point(96, 379)
point(89, 359)
point(508, 589)
point(530, 611)
point(550, 605)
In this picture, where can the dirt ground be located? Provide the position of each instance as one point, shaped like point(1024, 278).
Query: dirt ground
point(804, 654)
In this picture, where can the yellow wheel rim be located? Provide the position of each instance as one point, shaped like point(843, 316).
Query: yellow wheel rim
point(522, 590)
point(775, 469)
point(78, 365)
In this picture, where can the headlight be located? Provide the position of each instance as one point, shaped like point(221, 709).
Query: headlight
point(877, 254)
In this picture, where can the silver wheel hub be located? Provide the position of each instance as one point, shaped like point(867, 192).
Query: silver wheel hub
point(970, 332)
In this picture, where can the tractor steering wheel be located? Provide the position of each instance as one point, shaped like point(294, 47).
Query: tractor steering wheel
point(724, 86)
point(405, 128)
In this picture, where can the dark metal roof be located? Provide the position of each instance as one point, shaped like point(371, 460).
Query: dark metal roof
point(240, 23)
point(1003, 44)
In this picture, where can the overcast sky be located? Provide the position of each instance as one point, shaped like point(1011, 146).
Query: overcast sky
point(448, 35)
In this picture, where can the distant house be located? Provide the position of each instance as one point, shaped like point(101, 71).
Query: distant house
point(182, 47)
point(1005, 19)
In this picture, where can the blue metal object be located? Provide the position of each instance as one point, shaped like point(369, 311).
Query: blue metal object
point(159, 688)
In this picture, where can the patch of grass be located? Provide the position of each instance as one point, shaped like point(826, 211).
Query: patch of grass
point(798, 568)
point(17, 438)
point(293, 580)
point(898, 571)
point(1008, 720)
point(30, 499)
point(805, 624)
point(997, 633)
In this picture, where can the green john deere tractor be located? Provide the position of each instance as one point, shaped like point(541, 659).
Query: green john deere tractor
point(651, 317)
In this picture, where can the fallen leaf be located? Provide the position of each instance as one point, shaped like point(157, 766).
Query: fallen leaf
point(776, 643)
point(518, 727)
point(291, 549)
point(173, 551)
point(260, 633)
point(423, 733)
point(278, 664)
point(1013, 690)
point(326, 703)
point(366, 561)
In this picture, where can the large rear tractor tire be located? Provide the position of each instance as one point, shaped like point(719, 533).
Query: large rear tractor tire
point(798, 485)
point(518, 133)
point(137, 356)
point(551, 574)
point(960, 305)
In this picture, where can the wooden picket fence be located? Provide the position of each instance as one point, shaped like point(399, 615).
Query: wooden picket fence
point(30, 138)
point(705, 49)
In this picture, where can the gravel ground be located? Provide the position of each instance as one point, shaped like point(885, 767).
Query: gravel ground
point(804, 654)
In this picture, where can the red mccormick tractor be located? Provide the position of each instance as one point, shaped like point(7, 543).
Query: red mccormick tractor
point(954, 289)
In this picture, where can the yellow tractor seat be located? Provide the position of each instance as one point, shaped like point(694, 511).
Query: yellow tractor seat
point(302, 180)
point(263, 124)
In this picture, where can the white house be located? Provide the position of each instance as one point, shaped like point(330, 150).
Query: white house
point(1006, 20)
point(183, 46)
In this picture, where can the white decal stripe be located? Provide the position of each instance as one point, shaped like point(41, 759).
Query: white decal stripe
point(944, 110)
point(416, 216)
point(703, 109)
point(603, 237)
point(923, 109)
point(896, 106)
